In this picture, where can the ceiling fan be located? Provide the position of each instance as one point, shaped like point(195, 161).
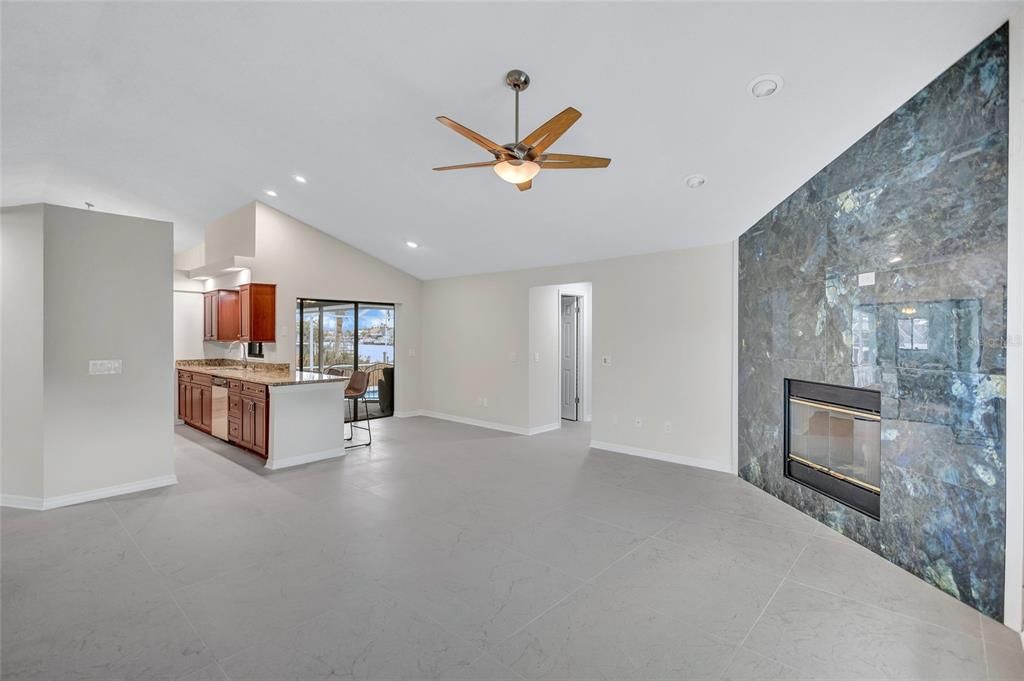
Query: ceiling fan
point(520, 161)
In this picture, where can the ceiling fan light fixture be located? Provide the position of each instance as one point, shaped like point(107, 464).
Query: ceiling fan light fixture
point(516, 171)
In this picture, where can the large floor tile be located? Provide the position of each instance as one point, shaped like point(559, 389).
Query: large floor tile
point(731, 540)
point(149, 643)
point(447, 551)
point(996, 633)
point(577, 545)
point(1005, 663)
point(600, 634)
point(369, 636)
point(644, 514)
point(259, 604)
point(850, 570)
point(834, 637)
point(478, 588)
point(723, 597)
point(750, 666)
point(190, 538)
point(211, 672)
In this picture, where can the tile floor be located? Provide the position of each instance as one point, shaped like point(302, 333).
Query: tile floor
point(452, 552)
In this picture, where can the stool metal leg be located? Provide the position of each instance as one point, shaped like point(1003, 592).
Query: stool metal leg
point(352, 424)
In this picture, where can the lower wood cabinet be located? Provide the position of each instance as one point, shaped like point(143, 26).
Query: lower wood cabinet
point(248, 409)
point(253, 422)
point(195, 400)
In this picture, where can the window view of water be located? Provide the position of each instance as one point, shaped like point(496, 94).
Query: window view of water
point(336, 337)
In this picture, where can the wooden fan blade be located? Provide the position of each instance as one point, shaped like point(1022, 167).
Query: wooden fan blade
point(475, 137)
point(556, 161)
point(482, 164)
point(523, 186)
point(544, 136)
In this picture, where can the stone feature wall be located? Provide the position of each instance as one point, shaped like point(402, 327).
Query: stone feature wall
point(920, 202)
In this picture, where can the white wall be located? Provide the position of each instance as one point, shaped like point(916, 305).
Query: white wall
point(107, 292)
point(188, 317)
point(1014, 599)
point(305, 262)
point(231, 235)
point(105, 287)
point(664, 320)
point(21, 351)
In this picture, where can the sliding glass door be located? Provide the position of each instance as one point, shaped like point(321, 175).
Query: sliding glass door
point(339, 337)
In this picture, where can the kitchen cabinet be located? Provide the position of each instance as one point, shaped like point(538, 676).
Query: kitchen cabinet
point(248, 409)
point(257, 312)
point(184, 400)
point(195, 400)
point(221, 316)
point(253, 421)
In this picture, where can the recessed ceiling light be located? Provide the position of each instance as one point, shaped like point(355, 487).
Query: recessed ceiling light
point(270, 192)
point(412, 244)
point(300, 179)
point(695, 181)
point(895, 259)
point(765, 85)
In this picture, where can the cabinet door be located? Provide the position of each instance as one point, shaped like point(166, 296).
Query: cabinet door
point(259, 427)
point(226, 315)
point(183, 396)
point(206, 418)
point(194, 406)
point(245, 312)
point(248, 421)
point(208, 305)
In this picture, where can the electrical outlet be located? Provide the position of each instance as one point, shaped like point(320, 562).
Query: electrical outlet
point(668, 426)
point(484, 401)
point(615, 419)
point(536, 357)
point(639, 422)
point(512, 356)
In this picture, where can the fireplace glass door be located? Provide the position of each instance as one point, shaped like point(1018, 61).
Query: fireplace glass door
point(834, 442)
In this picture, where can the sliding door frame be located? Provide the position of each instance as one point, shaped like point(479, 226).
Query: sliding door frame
point(321, 303)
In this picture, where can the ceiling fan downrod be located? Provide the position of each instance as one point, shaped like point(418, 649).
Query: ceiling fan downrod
point(517, 80)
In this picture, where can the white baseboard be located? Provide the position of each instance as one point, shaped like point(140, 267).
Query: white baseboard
point(408, 414)
point(18, 501)
point(278, 464)
point(537, 430)
point(661, 456)
point(518, 430)
point(46, 503)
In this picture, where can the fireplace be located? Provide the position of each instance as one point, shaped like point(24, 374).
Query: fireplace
point(833, 442)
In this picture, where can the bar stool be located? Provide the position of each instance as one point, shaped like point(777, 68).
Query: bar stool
point(355, 391)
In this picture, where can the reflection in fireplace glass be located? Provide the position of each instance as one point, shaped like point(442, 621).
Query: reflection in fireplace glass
point(840, 440)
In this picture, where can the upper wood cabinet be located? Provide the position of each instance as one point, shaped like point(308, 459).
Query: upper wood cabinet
point(221, 316)
point(257, 305)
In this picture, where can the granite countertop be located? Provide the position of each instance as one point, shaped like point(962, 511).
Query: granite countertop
point(257, 372)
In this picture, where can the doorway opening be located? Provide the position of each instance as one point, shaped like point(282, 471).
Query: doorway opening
point(570, 352)
point(341, 336)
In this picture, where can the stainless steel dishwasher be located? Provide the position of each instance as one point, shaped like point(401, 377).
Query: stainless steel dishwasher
point(220, 408)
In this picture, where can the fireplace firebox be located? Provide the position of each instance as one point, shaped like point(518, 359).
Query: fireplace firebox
point(833, 441)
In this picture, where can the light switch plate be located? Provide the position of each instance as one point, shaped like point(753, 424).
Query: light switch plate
point(98, 367)
point(606, 360)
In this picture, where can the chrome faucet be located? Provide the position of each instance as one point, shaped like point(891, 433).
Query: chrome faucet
point(245, 353)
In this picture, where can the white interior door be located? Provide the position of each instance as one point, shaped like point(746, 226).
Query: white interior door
point(569, 358)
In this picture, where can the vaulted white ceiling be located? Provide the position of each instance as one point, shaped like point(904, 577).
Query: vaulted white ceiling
point(184, 112)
